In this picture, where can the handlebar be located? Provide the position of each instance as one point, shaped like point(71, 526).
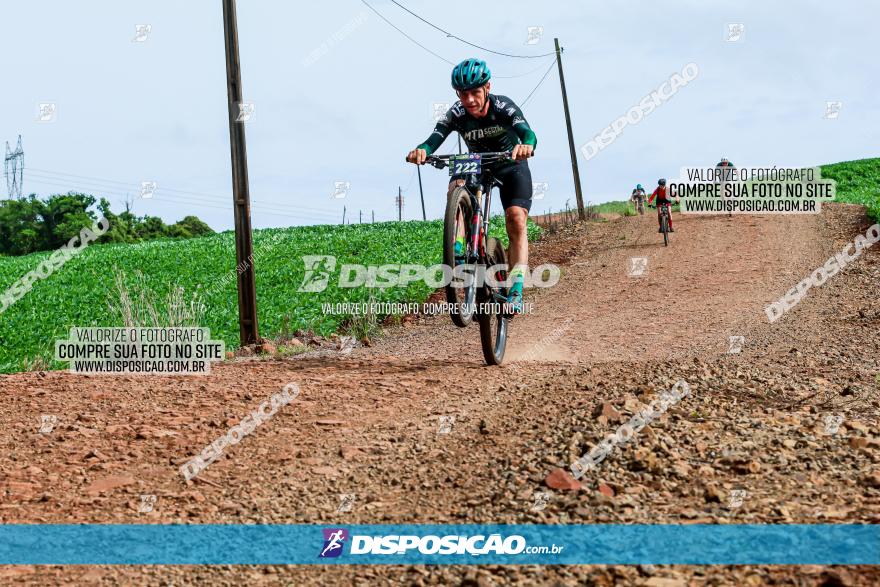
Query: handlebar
point(441, 161)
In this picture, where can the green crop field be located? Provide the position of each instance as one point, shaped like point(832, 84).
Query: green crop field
point(78, 293)
point(858, 182)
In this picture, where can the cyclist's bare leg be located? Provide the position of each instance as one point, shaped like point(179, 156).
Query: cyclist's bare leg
point(518, 254)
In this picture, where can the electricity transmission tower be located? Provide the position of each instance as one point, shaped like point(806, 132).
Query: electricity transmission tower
point(13, 168)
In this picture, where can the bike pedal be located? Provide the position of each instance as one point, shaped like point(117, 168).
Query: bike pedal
point(506, 311)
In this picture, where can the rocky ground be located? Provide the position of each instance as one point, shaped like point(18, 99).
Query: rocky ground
point(783, 426)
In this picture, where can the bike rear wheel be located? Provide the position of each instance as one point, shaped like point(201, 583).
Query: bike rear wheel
point(492, 320)
point(459, 215)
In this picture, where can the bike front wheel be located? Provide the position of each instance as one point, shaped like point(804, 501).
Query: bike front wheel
point(665, 227)
point(458, 227)
point(492, 320)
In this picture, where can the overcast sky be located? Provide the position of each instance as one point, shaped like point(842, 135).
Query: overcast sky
point(156, 110)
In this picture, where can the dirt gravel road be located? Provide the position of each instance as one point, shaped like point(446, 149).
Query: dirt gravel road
point(786, 430)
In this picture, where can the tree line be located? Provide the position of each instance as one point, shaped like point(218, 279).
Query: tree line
point(33, 224)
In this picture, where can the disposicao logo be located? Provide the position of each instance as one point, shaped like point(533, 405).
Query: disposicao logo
point(334, 540)
point(434, 544)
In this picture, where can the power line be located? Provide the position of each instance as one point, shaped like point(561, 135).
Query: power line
point(440, 57)
point(131, 186)
point(114, 184)
point(211, 204)
point(546, 73)
point(406, 35)
point(529, 72)
point(225, 208)
point(189, 200)
point(460, 39)
point(448, 34)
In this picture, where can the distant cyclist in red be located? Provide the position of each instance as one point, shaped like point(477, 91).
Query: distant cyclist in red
point(662, 200)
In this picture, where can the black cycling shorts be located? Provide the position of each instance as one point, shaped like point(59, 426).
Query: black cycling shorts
point(516, 184)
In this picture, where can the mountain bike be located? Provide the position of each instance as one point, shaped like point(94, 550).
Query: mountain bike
point(479, 262)
point(726, 177)
point(639, 203)
point(664, 222)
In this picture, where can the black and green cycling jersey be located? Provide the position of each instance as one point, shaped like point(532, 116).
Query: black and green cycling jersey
point(503, 127)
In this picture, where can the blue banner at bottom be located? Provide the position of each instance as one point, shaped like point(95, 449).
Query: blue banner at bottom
point(610, 544)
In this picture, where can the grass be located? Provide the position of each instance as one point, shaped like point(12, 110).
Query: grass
point(362, 326)
point(624, 208)
point(291, 351)
point(614, 208)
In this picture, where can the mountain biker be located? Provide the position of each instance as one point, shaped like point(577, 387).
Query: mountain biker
point(662, 200)
point(490, 123)
point(638, 193)
point(725, 168)
point(726, 163)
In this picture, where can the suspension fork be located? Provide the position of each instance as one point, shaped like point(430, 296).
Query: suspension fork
point(476, 224)
point(480, 221)
point(486, 214)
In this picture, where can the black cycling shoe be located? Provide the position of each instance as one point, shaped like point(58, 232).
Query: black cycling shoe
point(671, 229)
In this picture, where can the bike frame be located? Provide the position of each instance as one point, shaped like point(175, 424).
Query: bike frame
point(477, 186)
point(480, 188)
point(638, 202)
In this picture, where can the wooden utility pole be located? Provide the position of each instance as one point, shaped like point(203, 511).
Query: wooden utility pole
point(574, 164)
point(249, 332)
point(421, 192)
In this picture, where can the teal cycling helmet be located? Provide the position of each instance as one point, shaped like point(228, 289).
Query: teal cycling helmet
point(639, 186)
point(470, 74)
